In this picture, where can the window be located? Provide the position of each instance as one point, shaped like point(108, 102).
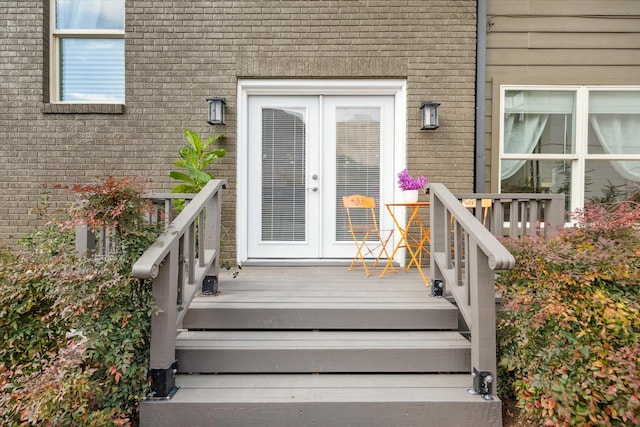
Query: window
point(581, 141)
point(87, 51)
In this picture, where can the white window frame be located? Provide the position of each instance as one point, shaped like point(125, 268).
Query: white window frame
point(580, 156)
point(55, 38)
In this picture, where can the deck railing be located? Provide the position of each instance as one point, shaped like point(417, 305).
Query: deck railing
point(464, 258)
point(466, 253)
point(182, 257)
point(517, 215)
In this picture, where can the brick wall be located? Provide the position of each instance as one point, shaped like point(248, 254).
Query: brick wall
point(179, 53)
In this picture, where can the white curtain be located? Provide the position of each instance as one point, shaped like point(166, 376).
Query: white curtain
point(521, 135)
point(619, 134)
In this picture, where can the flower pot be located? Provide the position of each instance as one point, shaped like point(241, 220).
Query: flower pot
point(410, 196)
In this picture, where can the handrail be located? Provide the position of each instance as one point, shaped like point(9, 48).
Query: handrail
point(464, 258)
point(178, 262)
point(147, 265)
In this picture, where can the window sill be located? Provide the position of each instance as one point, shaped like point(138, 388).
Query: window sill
point(83, 108)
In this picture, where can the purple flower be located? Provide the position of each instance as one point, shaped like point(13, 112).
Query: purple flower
point(407, 182)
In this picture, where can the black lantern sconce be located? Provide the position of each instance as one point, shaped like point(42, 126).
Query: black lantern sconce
point(429, 115)
point(216, 111)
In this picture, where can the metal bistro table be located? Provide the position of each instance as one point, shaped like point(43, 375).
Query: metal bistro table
point(414, 242)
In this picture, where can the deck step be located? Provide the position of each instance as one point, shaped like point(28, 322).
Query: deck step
point(322, 351)
point(435, 314)
point(315, 309)
point(323, 400)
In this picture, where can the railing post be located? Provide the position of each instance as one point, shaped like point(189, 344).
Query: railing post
point(213, 236)
point(85, 241)
point(553, 216)
point(483, 314)
point(163, 327)
point(437, 217)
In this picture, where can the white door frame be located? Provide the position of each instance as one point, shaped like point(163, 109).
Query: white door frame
point(247, 87)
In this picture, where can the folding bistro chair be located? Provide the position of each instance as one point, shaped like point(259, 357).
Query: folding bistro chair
point(363, 225)
point(485, 204)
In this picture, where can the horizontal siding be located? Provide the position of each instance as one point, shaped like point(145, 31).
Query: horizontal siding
point(562, 57)
point(558, 40)
point(565, 75)
point(565, 7)
point(559, 24)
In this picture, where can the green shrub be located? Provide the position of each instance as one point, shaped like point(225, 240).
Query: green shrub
point(75, 330)
point(569, 330)
point(194, 158)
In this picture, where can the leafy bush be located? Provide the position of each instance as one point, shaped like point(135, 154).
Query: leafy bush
point(194, 158)
point(569, 330)
point(75, 330)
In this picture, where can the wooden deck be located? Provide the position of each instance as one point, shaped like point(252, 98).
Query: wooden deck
point(322, 346)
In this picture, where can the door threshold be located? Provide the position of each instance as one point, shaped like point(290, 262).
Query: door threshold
point(296, 262)
point(283, 262)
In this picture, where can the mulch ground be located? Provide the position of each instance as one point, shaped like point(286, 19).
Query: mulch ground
point(511, 416)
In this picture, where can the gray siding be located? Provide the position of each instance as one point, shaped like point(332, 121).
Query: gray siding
point(571, 42)
point(179, 53)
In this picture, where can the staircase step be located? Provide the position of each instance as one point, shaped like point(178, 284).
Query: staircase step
point(312, 310)
point(322, 351)
point(323, 400)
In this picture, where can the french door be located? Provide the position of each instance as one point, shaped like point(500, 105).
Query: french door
point(305, 153)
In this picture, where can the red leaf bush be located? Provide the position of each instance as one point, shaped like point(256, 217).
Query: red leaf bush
point(75, 330)
point(569, 327)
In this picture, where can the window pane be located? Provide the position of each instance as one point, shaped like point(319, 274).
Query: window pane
point(357, 160)
point(611, 181)
point(538, 122)
point(90, 14)
point(92, 70)
point(538, 176)
point(614, 118)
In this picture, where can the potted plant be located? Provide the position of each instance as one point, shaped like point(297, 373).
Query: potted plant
point(410, 185)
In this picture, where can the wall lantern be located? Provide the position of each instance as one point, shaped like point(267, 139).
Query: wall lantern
point(216, 111)
point(429, 115)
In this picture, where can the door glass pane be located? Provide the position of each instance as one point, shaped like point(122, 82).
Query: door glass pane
point(357, 160)
point(283, 175)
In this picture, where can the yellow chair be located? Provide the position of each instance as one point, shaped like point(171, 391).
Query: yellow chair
point(485, 204)
point(363, 225)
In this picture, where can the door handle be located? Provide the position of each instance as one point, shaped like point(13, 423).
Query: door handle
point(313, 188)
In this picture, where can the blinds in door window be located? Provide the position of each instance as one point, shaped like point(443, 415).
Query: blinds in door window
point(283, 175)
point(357, 160)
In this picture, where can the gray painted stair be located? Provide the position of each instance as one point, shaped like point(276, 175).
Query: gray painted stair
point(315, 310)
point(318, 351)
point(321, 346)
point(323, 401)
